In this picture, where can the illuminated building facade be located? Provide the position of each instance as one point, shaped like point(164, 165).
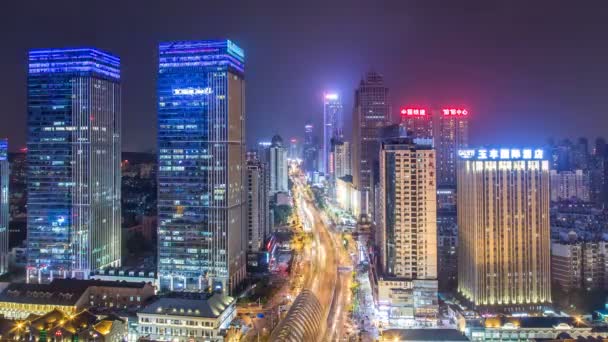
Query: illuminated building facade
point(201, 176)
point(370, 115)
point(332, 127)
point(407, 230)
point(4, 205)
point(504, 250)
point(310, 152)
point(278, 166)
point(452, 134)
point(340, 158)
point(418, 122)
point(258, 219)
point(74, 182)
point(570, 186)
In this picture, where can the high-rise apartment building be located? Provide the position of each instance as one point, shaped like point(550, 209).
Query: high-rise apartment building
point(407, 230)
point(370, 115)
point(570, 185)
point(74, 122)
point(340, 158)
point(332, 126)
point(4, 205)
point(504, 250)
point(452, 134)
point(201, 177)
point(258, 223)
point(278, 166)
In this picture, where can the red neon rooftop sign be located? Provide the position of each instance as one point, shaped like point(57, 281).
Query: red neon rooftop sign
point(454, 111)
point(413, 111)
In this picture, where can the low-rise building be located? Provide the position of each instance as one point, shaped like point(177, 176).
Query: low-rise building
point(423, 335)
point(529, 328)
point(187, 317)
point(18, 300)
point(406, 302)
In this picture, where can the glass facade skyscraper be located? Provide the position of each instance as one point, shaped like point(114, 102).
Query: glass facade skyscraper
point(201, 177)
point(4, 205)
point(332, 127)
point(74, 120)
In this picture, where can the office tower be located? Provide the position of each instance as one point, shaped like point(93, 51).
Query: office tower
point(4, 205)
point(503, 222)
point(201, 150)
point(598, 174)
point(310, 152)
point(278, 166)
point(452, 134)
point(371, 113)
point(407, 231)
point(569, 185)
point(258, 224)
point(447, 239)
point(332, 126)
point(294, 150)
point(74, 120)
point(340, 158)
point(418, 122)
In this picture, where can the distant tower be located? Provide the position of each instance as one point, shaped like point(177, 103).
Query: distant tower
point(332, 126)
point(504, 250)
point(4, 205)
point(452, 135)
point(74, 178)
point(311, 151)
point(370, 115)
point(202, 170)
point(278, 166)
point(418, 122)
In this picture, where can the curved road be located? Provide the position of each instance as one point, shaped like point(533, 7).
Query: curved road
point(329, 285)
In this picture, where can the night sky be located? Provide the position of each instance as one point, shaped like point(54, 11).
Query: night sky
point(527, 70)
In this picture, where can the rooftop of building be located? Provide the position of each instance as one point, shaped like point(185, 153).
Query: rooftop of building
point(534, 322)
point(65, 292)
point(424, 335)
point(74, 61)
point(190, 304)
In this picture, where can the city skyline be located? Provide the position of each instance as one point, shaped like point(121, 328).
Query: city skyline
point(495, 91)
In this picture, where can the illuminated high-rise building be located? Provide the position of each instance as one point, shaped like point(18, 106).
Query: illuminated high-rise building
point(201, 176)
point(418, 122)
point(294, 152)
point(258, 219)
point(332, 127)
point(340, 158)
point(74, 123)
point(504, 250)
point(407, 230)
point(452, 134)
point(278, 166)
point(371, 113)
point(4, 205)
point(310, 153)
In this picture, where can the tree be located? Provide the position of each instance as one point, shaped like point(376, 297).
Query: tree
point(282, 214)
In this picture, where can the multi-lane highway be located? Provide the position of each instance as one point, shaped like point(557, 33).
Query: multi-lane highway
point(330, 274)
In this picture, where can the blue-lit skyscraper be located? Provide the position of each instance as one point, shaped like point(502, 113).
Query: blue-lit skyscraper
point(4, 205)
point(332, 127)
point(201, 193)
point(74, 120)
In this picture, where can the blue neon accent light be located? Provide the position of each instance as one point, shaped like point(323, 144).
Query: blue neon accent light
point(74, 61)
point(3, 149)
point(204, 53)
